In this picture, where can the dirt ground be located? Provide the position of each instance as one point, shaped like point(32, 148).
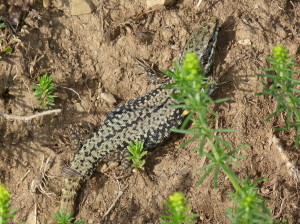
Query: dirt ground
point(95, 53)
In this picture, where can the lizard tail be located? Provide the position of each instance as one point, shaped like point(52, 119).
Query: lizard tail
point(69, 194)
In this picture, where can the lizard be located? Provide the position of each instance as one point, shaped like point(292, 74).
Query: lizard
point(148, 118)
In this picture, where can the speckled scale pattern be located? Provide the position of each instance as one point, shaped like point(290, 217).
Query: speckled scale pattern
point(148, 118)
point(133, 120)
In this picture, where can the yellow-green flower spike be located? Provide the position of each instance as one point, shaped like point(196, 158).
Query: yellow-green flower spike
point(280, 54)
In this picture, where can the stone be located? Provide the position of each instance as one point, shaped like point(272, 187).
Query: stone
point(245, 42)
point(157, 3)
point(80, 7)
point(108, 97)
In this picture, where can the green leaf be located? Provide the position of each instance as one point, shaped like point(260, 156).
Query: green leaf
point(44, 91)
point(136, 149)
point(7, 50)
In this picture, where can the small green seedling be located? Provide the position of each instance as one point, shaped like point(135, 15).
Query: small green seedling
point(65, 218)
point(7, 50)
point(137, 151)
point(249, 205)
point(177, 209)
point(284, 88)
point(2, 25)
point(44, 91)
point(6, 214)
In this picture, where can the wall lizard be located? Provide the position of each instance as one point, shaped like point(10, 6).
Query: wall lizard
point(148, 118)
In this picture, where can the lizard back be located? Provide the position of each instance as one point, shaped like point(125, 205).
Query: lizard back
point(133, 120)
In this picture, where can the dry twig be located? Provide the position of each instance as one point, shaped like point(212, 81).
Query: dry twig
point(72, 91)
point(280, 210)
point(120, 193)
point(30, 117)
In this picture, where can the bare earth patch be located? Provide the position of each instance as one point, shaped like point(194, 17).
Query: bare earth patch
point(95, 54)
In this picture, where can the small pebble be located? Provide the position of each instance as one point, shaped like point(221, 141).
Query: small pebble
point(245, 42)
point(79, 107)
point(46, 3)
point(108, 97)
point(157, 3)
point(80, 7)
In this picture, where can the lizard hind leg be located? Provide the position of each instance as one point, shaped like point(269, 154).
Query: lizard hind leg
point(118, 158)
point(153, 73)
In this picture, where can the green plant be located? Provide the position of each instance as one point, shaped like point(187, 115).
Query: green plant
point(193, 86)
point(137, 151)
point(177, 209)
point(284, 88)
point(6, 214)
point(249, 205)
point(7, 50)
point(2, 25)
point(44, 91)
point(65, 218)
